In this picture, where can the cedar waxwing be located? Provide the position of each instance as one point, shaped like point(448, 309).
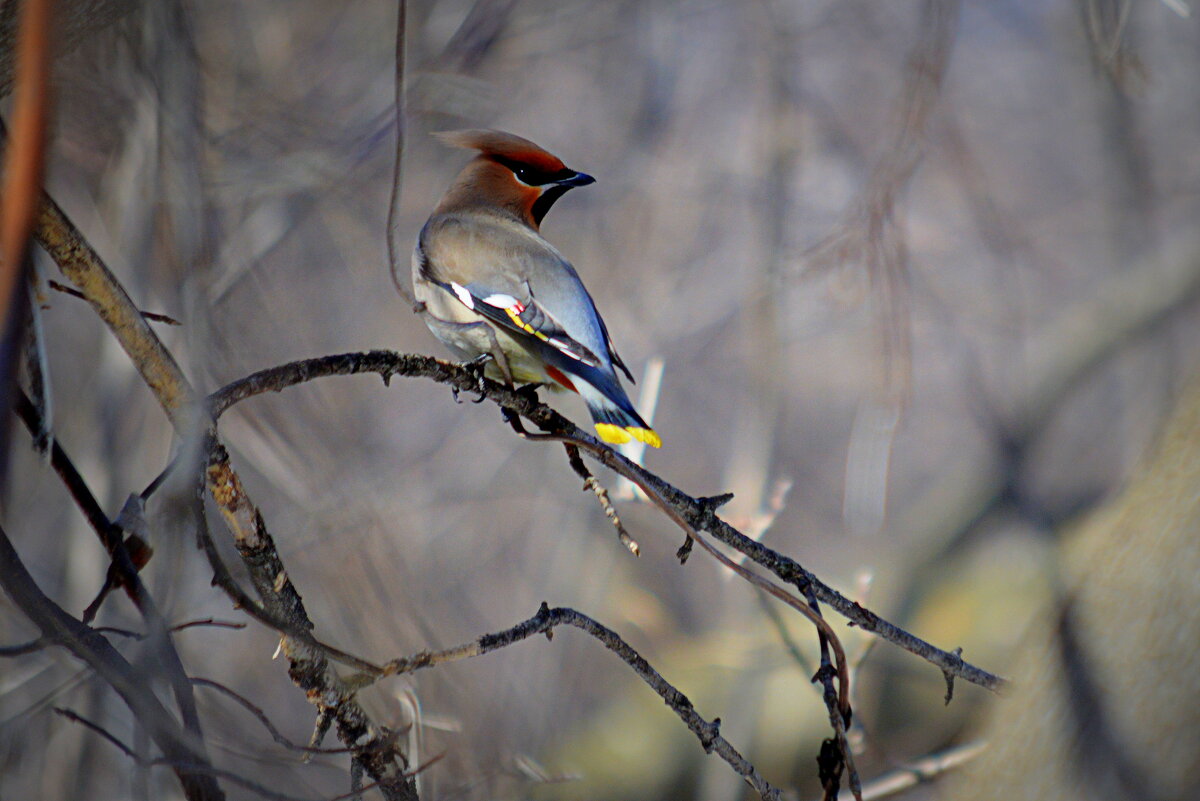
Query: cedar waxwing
point(494, 287)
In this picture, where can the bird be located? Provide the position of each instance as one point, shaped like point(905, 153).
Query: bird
point(494, 290)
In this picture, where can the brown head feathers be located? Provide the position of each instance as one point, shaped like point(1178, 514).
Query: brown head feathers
point(502, 147)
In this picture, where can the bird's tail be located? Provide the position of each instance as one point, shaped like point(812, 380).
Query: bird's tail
point(618, 423)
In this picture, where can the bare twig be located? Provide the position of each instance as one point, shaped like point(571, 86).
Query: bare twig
point(224, 579)
point(177, 745)
point(47, 642)
point(257, 546)
point(871, 233)
point(80, 263)
point(110, 535)
point(75, 717)
point(789, 642)
point(544, 622)
point(126, 562)
point(235, 778)
point(687, 512)
point(153, 317)
point(826, 632)
point(208, 622)
point(922, 770)
point(37, 368)
point(397, 263)
point(258, 713)
point(30, 647)
point(833, 760)
point(590, 483)
point(837, 701)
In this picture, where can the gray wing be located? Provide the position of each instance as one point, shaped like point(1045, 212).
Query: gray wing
point(514, 278)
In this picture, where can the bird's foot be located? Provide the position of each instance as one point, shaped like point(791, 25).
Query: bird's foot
point(476, 367)
point(514, 420)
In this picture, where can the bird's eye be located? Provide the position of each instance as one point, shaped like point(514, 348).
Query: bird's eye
point(527, 174)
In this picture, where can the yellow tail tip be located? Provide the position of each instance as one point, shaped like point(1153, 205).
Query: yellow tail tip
point(646, 435)
point(617, 435)
point(612, 434)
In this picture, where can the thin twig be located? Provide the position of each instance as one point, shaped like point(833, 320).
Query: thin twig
point(257, 712)
point(836, 701)
point(137, 635)
point(80, 263)
point(213, 772)
point(154, 317)
point(839, 713)
point(124, 571)
point(590, 483)
point(825, 631)
point(30, 647)
point(543, 623)
point(75, 717)
point(785, 636)
point(129, 683)
point(397, 264)
point(209, 622)
point(921, 771)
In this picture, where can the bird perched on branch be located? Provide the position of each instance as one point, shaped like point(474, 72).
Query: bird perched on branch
point(493, 287)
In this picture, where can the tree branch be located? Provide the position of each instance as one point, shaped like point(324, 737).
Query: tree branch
point(373, 747)
point(192, 766)
point(235, 778)
point(687, 512)
point(262, 718)
point(125, 570)
point(548, 619)
point(80, 263)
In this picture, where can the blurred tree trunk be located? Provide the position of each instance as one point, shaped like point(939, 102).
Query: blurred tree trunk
point(1108, 705)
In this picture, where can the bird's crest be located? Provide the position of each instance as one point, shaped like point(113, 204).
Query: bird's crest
point(501, 145)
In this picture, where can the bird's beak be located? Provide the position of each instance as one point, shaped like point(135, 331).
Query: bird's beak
point(578, 179)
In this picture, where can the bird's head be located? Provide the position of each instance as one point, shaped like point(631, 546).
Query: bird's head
point(510, 172)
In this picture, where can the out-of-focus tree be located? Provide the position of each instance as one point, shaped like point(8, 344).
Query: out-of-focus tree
point(1107, 703)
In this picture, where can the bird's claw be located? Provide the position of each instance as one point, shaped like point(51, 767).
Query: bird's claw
point(514, 420)
point(476, 366)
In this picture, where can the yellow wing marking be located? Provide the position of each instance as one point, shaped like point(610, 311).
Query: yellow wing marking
point(524, 326)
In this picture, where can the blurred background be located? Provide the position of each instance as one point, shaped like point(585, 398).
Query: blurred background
point(927, 264)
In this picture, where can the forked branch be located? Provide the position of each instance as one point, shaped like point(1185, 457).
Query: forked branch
point(691, 514)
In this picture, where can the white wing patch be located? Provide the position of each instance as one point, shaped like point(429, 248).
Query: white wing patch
point(501, 301)
point(537, 324)
point(463, 295)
